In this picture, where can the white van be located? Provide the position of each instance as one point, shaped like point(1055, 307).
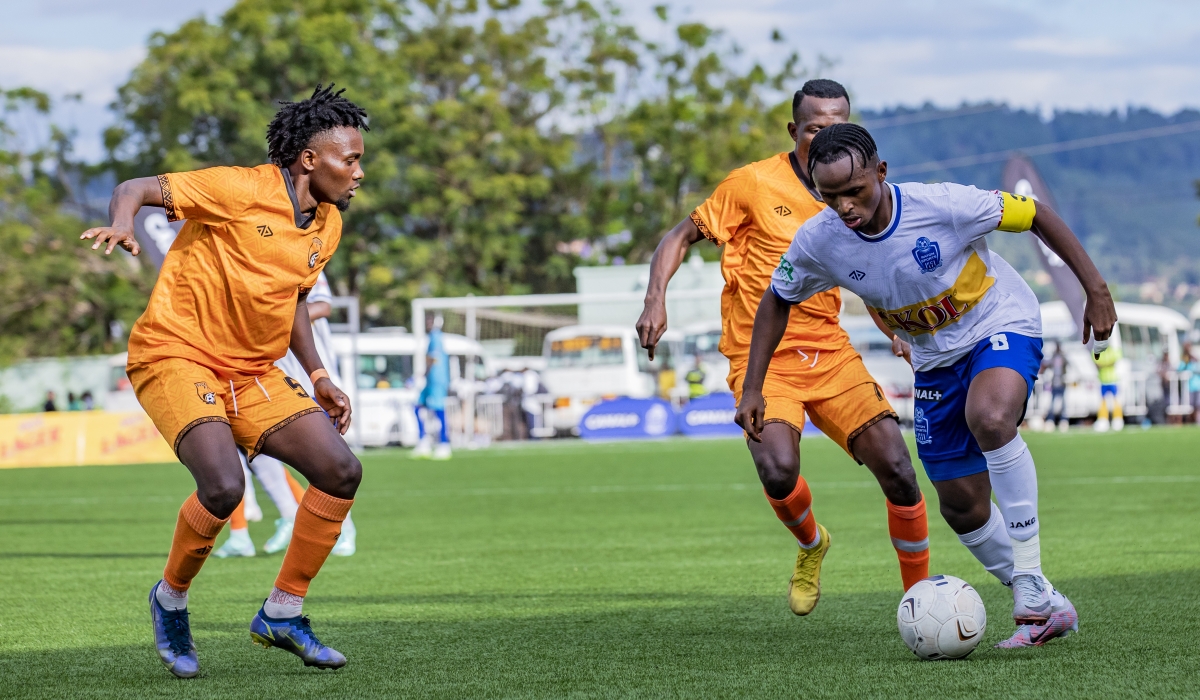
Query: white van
point(1144, 332)
point(703, 339)
point(585, 364)
point(384, 390)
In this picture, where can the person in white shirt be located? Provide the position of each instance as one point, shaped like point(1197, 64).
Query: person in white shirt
point(969, 325)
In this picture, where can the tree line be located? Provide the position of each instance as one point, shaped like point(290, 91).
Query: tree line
point(509, 143)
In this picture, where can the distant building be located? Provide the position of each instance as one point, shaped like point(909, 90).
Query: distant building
point(694, 274)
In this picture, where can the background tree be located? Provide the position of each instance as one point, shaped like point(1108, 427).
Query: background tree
point(57, 297)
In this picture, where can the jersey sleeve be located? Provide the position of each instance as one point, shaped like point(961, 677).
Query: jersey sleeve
point(720, 216)
point(211, 196)
point(977, 212)
point(798, 276)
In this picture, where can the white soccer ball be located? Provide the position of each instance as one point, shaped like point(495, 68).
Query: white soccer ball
point(941, 617)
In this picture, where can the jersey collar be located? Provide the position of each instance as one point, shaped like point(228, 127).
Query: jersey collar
point(892, 223)
point(302, 221)
point(800, 176)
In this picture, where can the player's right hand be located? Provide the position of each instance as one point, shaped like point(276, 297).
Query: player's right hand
point(901, 348)
point(750, 411)
point(114, 236)
point(335, 403)
point(651, 325)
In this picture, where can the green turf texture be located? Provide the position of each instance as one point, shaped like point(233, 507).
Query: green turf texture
point(617, 570)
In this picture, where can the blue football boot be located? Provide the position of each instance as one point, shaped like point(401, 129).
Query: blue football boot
point(296, 636)
point(173, 637)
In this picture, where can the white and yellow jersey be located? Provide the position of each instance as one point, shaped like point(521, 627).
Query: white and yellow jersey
point(929, 275)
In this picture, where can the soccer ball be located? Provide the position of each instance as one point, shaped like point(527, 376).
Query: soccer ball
point(941, 617)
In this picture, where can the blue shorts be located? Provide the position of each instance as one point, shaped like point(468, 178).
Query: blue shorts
point(1106, 389)
point(944, 442)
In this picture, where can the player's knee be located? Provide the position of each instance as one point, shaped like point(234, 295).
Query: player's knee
point(220, 497)
point(347, 474)
point(899, 481)
point(965, 516)
point(992, 425)
point(778, 475)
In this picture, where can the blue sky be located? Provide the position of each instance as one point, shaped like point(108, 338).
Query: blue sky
point(1045, 54)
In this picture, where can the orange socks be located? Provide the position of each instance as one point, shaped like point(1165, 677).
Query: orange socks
point(297, 489)
point(237, 520)
point(318, 524)
point(195, 531)
point(795, 512)
point(909, 529)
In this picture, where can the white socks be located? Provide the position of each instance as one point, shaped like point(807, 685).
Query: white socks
point(992, 546)
point(282, 605)
point(1014, 481)
point(170, 598)
point(270, 473)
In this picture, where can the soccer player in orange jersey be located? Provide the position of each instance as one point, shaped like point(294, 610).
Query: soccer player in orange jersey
point(754, 213)
point(229, 302)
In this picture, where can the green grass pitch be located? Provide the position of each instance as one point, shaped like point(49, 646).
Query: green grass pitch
point(617, 570)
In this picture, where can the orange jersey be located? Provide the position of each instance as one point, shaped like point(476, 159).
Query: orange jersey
point(755, 213)
point(227, 292)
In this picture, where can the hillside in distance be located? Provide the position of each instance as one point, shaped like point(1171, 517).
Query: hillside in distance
point(1133, 204)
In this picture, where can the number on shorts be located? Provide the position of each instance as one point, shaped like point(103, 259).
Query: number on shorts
point(999, 341)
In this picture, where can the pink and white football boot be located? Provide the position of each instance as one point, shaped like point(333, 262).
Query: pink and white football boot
point(1063, 621)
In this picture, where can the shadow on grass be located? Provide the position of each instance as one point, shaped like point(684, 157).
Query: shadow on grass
point(649, 645)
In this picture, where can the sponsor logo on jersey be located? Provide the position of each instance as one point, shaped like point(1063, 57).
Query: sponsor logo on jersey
point(928, 254)
point(314, 250)
point(785, 268)
point(295, 386)
point(783, 210)
point(264, 231)
point(935, 313)
point(921, 427)
point(927, 395)
point(206, 395)
point(857, 275)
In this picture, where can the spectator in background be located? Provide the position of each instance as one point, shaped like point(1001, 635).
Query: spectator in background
point(1188, 363)
point(695, 380)
point(1056, 364)
point(1107, 366)
point(73, 404)
point(531, 388)
point(88, 402)
point(49, 405)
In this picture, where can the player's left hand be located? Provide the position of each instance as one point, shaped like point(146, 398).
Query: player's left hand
point(335, 403)
point(1099, 315)
point(901, 348)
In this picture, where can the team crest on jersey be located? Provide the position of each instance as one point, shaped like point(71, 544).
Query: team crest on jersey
point(921, 427)
point(928, 254)
point(786, 268)
point(314, 250)
point(206, 395)
point(296, 387)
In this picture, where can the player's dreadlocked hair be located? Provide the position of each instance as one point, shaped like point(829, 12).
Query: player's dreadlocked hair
point(819, 87)
point(837, 141)
point(296, 123)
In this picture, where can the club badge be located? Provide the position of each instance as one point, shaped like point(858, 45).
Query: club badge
point(314, 250)
point(928, 254)
point(206, 395)
point(921, 427)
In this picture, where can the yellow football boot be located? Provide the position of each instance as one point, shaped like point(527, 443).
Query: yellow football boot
point(805, 588)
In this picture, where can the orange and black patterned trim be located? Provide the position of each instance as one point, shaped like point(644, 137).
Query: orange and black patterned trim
point(863, 428)
point(262, 439)
point(193, 424)
point(164, 184)
point(695, 217)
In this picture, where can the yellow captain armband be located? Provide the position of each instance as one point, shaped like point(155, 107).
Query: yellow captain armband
point(1018, 212)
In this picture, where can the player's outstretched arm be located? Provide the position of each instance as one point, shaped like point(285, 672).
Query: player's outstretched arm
point(770, 322)
point(1099, 313)
point(127, 199)
point(667, 258)
point(326, 394)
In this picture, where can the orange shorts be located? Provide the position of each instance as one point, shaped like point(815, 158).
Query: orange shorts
point(179, 394)
point(833, 387)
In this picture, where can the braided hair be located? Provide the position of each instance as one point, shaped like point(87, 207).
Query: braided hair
point(296, 123)
point(837, 141)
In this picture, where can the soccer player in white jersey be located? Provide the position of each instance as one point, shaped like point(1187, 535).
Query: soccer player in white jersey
point(917, 255)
